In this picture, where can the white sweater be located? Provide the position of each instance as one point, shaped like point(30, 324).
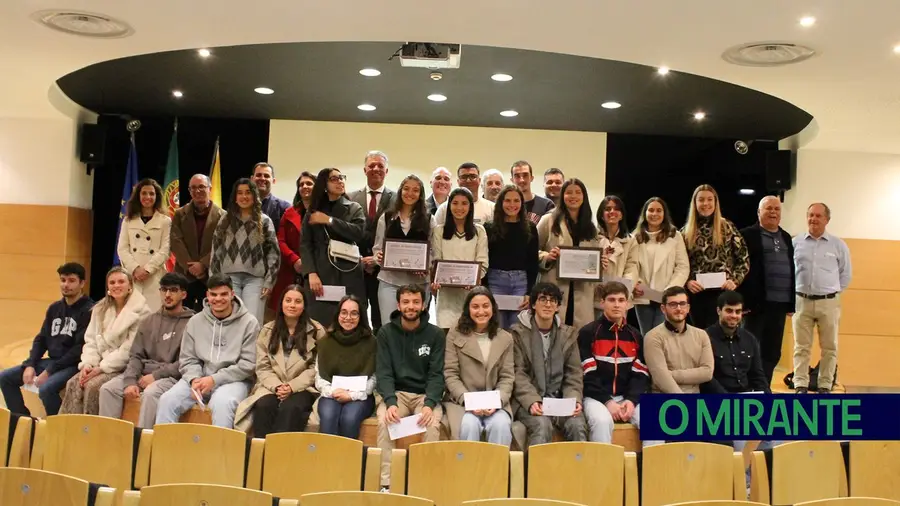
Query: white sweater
point(108, 338)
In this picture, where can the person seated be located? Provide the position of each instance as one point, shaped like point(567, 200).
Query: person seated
point(61, 337)
point(479, 357)
point(284, 393)
point(153, 366)
point(547, 364)
point(409, 372)
point(612, 357)
point(107, 343)
point(217, 359)
point(348, 349)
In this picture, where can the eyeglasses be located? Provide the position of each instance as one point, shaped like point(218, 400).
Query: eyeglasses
point(169, 289)
point(195, 189)
point(349, 314)
point(468, 177)
point(674, 305)
point(547, 300)
point(337, 179)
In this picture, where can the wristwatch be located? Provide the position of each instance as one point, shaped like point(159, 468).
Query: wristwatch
point(330, 220)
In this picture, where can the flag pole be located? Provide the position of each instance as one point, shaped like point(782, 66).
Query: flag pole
point(212, 164)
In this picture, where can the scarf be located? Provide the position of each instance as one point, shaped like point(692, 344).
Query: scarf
point(548, 371)
point(343, 353)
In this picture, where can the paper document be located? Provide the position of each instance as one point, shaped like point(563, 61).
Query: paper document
point(711, 279)
point(651, 294)
point(625, 281)
point(350, 383)
point(509, 302)
point(482, 400)
point(405, 427)
point(331, 293)
point(558, 407)
point(753, 392)
point(198, 398)
point(31, 387)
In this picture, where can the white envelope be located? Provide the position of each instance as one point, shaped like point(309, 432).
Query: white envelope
point(350, 383)
point(625, 281)
point(482, 400)
point(651, 294)
point(711, 279)
point(405, 427)
point(508, 302)
point(31, 387)
point(331, 293)
point(558, 407)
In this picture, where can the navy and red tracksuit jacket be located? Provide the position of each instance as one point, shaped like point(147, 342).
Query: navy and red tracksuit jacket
point(612, 358)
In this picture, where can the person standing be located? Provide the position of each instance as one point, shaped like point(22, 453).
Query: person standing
point(769, 288)
point(289, 240)
point(143, 246)
point(440, 188)
point(491, 184)
point(468, 176)
point(553, 181)
point(520, 174)
point(823, 270)
point(272, 206)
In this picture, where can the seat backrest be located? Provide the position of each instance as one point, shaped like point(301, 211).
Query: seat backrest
point(20, 445)
point(361, 499)
point(875, 469)
point(5, 435)
point(806, 471)
point(719, 503)
point(851, 501)
point(94, 448)
point(33, 487)
point(468, 470)
point(299, 463)
point(679, 472)
point(194, 453)
point(196, 493)
point(568, 472)
point(520, 502)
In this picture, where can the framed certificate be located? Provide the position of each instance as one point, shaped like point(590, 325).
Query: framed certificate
point(579, 264)
point(456, 273)
point(403, 255)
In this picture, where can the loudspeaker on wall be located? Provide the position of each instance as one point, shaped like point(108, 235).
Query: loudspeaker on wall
point(93, 144)
point(780, 168)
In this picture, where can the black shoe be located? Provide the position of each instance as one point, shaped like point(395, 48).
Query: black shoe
point(801, 390)
point(823, 391)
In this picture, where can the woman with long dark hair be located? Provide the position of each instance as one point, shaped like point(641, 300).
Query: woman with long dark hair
point(408, 219)
point(283, 396)
point(332, 224)
point(245, 248)
point(512, 251)
point(611, 224)
point(460, 238)
point(143, 246)
point(289, 239)
point(479, 357)
point(348, 349)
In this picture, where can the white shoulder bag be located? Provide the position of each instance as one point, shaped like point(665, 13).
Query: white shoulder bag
point(342, 250)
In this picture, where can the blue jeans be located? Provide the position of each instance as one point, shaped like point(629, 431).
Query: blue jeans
point(649, 316)
point(508, 283)
point(11, 381)
point(497, 427)
point(249, 288)
point(222, 403)
point(344, 419)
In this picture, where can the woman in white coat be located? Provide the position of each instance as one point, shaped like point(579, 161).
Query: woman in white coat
point(612, 225)
point(144, 240)
point(658, 260)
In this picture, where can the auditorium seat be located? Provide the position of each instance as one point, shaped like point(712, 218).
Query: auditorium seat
point(851, 501)
point(874, 469)
point(718, 503)
point(624, 435)
point(191, 453)
point(19, 454)
point(568, 472)
point(679, 472)
point(798, 471)
point(520, 502)
point(201, 494)
point(34, 487)
point(131, 411)
point(362, 499)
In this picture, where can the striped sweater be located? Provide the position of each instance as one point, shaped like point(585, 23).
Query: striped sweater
point(239, 247)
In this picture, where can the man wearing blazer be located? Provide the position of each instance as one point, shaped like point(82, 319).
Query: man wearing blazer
point(769, 288)
point(375, 199)
point(191, 239)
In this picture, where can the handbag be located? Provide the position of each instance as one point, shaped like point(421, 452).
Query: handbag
point(343, 251)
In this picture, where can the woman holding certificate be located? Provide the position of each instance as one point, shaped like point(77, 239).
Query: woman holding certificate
point(460, 253)
point(401, 245)
point(717, 253)
point(479, 371)
point(573, 254)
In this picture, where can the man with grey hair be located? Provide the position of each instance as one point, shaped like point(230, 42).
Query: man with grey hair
point(768, 289)
point(823, 272)
point(440, 189)
point(491, 184)
point(191, 239)
point(272, 206)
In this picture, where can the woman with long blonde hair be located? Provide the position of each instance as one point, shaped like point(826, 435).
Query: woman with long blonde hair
point(143, 246)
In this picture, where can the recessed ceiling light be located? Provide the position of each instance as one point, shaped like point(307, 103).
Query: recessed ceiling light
point(662, 71)
point(177, 94)
point(509, 114)
point(610, 105)
point(501, 77)
point(747, 191)
point(264, 91)
point(437, 97)
point(204, 53)
point(897, 49)
point(807, 21)
point(699, 115)
point(370, 72)
point(366, 107)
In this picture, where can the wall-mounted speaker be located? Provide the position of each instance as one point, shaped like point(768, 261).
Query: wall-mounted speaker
point(781, 166)
point(93, 144)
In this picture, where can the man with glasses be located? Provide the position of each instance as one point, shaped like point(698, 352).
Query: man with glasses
point(468, 177)
point(272, 206)
point(153, 367)
point(535, 206)
point(191, 239)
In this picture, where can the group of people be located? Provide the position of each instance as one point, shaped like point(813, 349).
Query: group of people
point(204, 334)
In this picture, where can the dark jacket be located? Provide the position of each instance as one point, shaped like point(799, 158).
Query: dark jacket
point(156, 347)
point(411, 362)
point(754, 286)
point(360, 196)
point(612, 357)
point(738, 366)
point(431, 205)
point(185, 244)
point(62, 334)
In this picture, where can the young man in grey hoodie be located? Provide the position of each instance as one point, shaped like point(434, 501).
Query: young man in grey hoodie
point(218, 357)
point(153, 367)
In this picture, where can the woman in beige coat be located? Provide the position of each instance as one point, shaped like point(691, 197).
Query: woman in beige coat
point(143, 246)
point(570, 225)
point(282, 398)
point(478, 358)
point(611, 224)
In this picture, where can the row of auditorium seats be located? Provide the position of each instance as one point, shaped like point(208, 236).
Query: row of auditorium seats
point(291, 465)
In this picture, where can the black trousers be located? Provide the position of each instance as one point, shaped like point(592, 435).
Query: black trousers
point(290, 415)
point(767, 324)
point(196, 294)
point(372, 297)
point(703, 308)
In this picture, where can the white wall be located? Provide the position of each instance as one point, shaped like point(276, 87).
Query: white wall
point(862, 190)
point(295, 146)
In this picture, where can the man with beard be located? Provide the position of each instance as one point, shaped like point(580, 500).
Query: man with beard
point(272, 206)
point(409, 371)
point(153, 367)
point(440, 189)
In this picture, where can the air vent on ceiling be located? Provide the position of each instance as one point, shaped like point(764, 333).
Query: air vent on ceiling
point(85, 24)
point(768, 54)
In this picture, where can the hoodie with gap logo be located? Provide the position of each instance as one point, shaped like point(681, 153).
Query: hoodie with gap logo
point(612, 357)
point(224, 349)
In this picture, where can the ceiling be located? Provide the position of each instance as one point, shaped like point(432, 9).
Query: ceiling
point(849, 87)
point(321, 82)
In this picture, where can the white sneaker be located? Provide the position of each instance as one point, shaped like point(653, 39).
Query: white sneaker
point(385, 490)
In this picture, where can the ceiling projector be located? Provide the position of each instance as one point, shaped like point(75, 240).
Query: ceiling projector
point(430, 55)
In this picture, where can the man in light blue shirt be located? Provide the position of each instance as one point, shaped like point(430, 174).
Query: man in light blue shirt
point(823, 272)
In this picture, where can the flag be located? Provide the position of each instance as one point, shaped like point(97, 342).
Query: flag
point(171, 189)
point(131, 180)
point(215, 178)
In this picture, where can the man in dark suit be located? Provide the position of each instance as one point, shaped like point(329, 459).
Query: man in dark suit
point(375, 199)
point(769, 288)
point(440, 189)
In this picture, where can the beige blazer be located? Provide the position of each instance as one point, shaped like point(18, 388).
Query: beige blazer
point(184, 238)
point(670, 266)
point(146, 245)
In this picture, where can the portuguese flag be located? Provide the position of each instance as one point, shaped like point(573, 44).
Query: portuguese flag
point(171, 187)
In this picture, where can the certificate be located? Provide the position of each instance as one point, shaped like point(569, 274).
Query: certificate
point(629, 285)
point(711, 279)
point(402, 255)
point(350, 383)
point(558, 407)
point(407, 426)
point(332, 293)
point(651, 294)
point(482, 400)
point(509, 302)
point(456, 273)
point(579, 264)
